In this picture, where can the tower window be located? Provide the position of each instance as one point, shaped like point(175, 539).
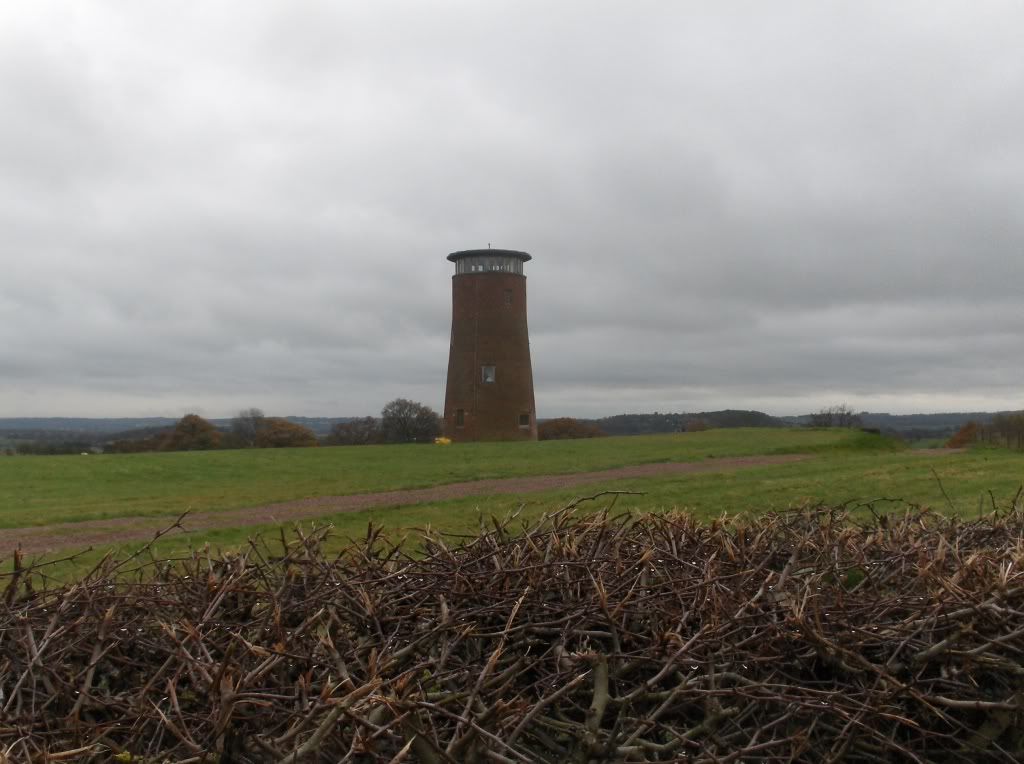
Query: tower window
point(487, 374)
point(460, 417)
point(524, 419)
point(508, 296)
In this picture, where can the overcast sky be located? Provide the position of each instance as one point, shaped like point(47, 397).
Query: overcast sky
point(217, 205)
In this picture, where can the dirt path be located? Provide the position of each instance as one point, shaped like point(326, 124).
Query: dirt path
point(98, 533)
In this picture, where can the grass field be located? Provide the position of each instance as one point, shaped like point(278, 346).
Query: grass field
point(846, 466)
point(40, 490)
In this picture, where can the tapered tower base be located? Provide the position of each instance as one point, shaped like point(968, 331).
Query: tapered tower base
point(489, 395)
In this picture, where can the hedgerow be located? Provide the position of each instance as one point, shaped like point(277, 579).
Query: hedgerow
point(824, 634)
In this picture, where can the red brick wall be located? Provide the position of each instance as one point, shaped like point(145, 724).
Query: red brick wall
point(489, 329)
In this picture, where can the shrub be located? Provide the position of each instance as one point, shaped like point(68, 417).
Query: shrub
point(192, 433)
point(280, 433)
point(358, 432)
point(964, 436)
point(567, 428)
point(835, 416)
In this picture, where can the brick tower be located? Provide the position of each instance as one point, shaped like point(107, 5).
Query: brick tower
point(490, 379)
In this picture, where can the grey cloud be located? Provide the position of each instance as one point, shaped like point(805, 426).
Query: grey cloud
point(728, 204)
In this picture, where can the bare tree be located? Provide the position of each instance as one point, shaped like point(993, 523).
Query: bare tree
point(836, 416)
point(247, 425)
point(358, 432)
point(1008, 426)
point(405, 421)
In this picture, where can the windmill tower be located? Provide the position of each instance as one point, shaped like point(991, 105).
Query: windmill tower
point(490, 380)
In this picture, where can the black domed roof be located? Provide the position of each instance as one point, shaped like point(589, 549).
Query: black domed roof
point(456, 256)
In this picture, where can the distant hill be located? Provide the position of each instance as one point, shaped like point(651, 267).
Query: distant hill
point(952, 421)
point(909, 421)
point(907, 426)
point(321, 425)
point(81, 424)
point(912, 426)
point(650, 424)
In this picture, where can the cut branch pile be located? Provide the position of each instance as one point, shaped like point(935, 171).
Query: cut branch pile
point(801, 636)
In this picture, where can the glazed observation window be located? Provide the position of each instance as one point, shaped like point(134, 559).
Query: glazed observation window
point(486, 264)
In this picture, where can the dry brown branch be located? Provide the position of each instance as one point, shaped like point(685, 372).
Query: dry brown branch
point(802, 636)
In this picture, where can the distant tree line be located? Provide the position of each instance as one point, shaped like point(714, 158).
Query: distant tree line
point(44, 442)
point(406, 421)
point(401, 421)
point(249, 429)
point(1005, 429)
point(836, 416)
point(49, 447)
point(909, 427)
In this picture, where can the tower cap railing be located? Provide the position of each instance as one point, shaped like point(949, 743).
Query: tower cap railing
point(456, 256)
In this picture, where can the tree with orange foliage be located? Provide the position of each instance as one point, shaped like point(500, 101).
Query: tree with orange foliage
point(566, 428)
point(280, 433)
point(192, 433)
point(964, 436)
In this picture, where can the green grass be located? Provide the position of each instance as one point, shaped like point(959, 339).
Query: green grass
point(41, 490)
point(833, 478)
point(846, 466)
